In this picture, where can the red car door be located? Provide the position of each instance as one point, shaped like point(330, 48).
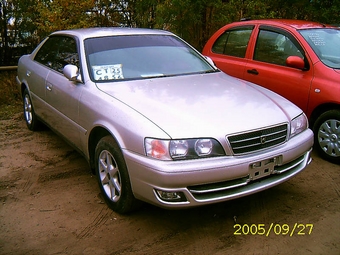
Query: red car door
point(267, 65)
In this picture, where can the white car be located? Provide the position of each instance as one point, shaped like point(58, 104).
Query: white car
point(157, 121)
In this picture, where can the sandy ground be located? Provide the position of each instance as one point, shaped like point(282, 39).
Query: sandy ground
point(50, 204)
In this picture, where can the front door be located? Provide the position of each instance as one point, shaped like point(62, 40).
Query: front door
point(268, 67)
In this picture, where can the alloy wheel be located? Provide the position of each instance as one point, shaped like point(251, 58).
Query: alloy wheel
point(110, 176)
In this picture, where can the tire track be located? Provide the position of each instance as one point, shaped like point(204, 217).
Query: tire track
point(101, 218)
point(28, 182)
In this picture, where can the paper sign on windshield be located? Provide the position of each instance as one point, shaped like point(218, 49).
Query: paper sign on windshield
point(108, 72)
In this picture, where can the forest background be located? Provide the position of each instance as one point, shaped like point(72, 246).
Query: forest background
point(24, 23)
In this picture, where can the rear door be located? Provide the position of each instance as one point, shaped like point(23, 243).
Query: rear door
point(230, 49)
point(267, 66)
point(36, 73)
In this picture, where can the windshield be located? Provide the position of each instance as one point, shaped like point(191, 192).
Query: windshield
point(141, 56)
point(325, 43)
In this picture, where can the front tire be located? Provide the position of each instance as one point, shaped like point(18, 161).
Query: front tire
point(327, 135)
point(113, 177)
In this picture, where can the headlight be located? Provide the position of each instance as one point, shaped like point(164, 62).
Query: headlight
point(179, 148)
point(203, 147)
point(183, 149)
point(298, 125)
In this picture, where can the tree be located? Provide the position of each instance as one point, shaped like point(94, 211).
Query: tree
point(107, 13)
point(26, 22)
point(6, 14)
point(326, 11)
point(193, 20)
point(56, 15)
point(140, 13)
point(23, 18)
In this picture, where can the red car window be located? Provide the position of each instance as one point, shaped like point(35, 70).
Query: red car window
point(233, 43)
point(275, 48)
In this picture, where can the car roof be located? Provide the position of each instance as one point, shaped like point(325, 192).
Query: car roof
point(84, 33)
point(296, 24)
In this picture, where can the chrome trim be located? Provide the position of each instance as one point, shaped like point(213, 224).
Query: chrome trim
point(257, 140)
point(207, 192)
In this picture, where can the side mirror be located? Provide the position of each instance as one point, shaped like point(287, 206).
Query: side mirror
point(295, 62)
point(71, 72)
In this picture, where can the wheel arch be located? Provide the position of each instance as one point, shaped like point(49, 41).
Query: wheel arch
point(321, 109)
point(22, 88)
point(96, 134)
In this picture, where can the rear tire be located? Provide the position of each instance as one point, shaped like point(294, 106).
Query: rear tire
point(31, 119)
point(327, 135)
point(113, 177)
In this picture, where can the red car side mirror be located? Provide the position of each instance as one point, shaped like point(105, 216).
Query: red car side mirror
point(295, 62)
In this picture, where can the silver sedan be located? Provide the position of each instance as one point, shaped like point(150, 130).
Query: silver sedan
point(157, 121)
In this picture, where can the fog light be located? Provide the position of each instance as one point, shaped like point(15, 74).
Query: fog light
point(171, 196)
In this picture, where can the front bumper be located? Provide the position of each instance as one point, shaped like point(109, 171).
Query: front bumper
point(212, 180)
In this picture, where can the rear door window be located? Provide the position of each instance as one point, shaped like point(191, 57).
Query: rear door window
point(233, 42)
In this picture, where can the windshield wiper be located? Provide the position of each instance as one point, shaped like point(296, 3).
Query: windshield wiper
point(212, 71)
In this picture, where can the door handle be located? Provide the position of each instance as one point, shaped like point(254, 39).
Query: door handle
point(28, 73)
point(253, 71)
point(49, 87)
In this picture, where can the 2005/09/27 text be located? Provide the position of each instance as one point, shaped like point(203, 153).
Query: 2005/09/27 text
point(277, 229)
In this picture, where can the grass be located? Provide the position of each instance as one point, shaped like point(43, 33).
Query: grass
point(10, 100)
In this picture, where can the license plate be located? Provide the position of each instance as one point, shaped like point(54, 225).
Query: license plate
point(262, 168)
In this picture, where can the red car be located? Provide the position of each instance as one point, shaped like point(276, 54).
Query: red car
point(299, 60)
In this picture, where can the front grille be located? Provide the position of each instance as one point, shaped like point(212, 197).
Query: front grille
point(258, 140)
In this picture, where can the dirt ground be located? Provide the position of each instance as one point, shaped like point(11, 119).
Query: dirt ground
point(50, 204)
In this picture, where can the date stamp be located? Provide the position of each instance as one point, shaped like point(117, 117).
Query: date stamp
point(277, 229)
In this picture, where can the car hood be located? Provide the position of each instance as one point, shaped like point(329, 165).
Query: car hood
point(202, 105)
